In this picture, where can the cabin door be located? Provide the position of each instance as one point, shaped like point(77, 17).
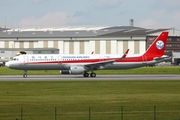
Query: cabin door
point(59, 59)
point(25, 60)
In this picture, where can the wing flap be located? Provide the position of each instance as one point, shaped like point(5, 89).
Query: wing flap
point(98, 65)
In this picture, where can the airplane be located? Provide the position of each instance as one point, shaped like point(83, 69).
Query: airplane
point(84, 63)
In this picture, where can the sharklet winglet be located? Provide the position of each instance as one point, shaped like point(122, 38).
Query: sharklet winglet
point(125, 54)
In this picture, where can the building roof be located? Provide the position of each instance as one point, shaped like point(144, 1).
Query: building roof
point(98, 31)
point(2, 28)
point(27, 49)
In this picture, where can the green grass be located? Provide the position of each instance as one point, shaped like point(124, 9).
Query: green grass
point(105, 98)
point(37, 100)
point(142, 70)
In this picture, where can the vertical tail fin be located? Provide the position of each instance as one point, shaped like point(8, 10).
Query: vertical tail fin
point(158, 46)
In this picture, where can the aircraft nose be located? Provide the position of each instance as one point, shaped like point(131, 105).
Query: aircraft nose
point(7, 64)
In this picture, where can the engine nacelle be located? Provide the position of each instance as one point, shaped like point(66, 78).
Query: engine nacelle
point(73, 70)
point(65, 72)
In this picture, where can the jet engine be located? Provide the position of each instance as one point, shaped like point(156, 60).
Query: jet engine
point(73, 70)
point(64, 72)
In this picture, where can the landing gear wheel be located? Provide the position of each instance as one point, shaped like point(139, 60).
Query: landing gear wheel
point(93, 74)
point(86, 74)
point(25, 75)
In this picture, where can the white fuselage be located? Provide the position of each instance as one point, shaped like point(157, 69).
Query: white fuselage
point(64, 62)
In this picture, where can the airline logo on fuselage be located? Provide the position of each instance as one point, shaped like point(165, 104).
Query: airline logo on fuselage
point(159, 44)
point(71, 57)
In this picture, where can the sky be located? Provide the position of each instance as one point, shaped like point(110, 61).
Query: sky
point(151, 14)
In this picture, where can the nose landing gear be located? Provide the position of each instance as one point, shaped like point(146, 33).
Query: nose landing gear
point(25, 74)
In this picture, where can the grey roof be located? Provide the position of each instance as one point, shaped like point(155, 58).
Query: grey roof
point(2, 29)
point(27, 49)
point(134, 32)
point(109, 31)
point(122, 27)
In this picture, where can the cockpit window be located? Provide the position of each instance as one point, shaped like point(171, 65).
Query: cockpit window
point(20, 53)
point(15, 59)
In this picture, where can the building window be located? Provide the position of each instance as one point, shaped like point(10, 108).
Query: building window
point(39, 51)
point(169, 39)
point(151, 38)
point(52, 51)
point(2, 52)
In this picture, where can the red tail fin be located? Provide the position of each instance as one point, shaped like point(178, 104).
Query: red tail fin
point(158, 46)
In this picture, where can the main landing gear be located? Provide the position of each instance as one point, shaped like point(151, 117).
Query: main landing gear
point(87, 74)
point(25, 74)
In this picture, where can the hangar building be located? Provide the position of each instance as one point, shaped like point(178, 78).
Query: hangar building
point(84, 40)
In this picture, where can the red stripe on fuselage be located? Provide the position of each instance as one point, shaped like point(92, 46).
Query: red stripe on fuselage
point(70, 61)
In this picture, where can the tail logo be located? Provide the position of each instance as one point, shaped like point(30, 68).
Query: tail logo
point(160, 44)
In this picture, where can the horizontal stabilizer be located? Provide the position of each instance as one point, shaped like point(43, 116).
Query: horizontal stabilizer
point(162, 58)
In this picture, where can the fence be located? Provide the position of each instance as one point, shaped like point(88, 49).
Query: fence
point(92, 113)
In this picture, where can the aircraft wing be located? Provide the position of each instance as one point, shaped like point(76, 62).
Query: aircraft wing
point(98, 65)
point(102, 64)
